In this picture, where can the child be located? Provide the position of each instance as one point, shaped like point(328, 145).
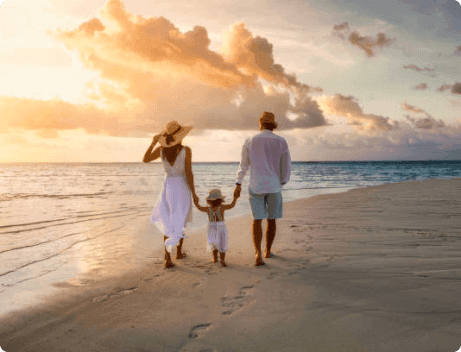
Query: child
point(217, 230)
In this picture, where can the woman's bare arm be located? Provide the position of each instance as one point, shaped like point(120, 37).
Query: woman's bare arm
point(204, 209)
point(152, 155)
point(189, 174)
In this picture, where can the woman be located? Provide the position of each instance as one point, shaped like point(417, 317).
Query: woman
point(174, 206)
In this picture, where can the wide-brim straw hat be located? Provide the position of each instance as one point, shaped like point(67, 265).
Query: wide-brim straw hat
point(215, 194)
point(173, 133)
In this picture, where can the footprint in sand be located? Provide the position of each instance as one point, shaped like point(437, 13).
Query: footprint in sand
point(272, 275)
point(195, 331)
point(233, 304)
point(151, 278)
point(122, 292)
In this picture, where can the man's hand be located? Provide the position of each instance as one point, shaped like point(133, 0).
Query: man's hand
point(237, 190)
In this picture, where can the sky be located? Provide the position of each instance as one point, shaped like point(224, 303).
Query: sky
point(95, 80)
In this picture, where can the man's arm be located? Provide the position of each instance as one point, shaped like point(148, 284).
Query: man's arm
point(285, 167)
point(243, 168)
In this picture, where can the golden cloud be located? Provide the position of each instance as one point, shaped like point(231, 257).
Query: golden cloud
point(348, 106)
point(149, 72)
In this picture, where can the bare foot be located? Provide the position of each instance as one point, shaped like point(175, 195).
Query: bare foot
point(267, 254)
point(168, 264)
point(180, 255)
point(259, 262)
point(214, 260)
point(223, 264)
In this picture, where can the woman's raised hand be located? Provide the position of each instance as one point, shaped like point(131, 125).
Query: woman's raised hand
point(156, 138)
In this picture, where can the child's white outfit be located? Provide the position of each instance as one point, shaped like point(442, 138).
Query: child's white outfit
point(217, 231)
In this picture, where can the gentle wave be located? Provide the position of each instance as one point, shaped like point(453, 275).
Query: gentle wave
point(9, 197)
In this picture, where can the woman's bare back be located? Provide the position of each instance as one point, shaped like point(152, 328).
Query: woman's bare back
point(172, 153)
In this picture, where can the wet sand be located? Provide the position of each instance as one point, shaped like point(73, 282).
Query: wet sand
point(373, 269)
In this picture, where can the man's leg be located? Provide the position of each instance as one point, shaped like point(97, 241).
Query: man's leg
point(257, 234)
point(270, 236)
point(274, 211)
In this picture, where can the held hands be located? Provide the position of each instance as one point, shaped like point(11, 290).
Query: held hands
point(237, 191)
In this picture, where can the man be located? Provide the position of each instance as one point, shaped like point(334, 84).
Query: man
point(268, 158)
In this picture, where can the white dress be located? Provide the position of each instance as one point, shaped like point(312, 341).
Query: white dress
point(217, 232)
point(174, 205)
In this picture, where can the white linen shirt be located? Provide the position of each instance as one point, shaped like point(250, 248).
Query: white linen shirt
point(268, 158)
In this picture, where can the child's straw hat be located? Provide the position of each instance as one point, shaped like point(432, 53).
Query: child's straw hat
point(215, 194)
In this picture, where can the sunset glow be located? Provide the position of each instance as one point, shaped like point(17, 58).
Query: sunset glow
point(94, 81)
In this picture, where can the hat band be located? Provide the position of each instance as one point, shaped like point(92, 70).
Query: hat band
point(169, 136)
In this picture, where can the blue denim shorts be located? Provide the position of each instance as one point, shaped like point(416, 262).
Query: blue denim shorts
point(266, 205)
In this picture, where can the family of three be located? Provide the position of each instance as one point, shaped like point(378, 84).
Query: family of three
point(267, 157)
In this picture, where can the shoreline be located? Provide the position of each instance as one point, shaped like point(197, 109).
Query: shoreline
point(360, 269)
point(83, 282)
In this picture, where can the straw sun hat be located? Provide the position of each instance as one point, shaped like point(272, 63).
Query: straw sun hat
point(215, 194)
point(173, 133)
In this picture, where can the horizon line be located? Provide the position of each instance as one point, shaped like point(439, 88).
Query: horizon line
point(228, 162)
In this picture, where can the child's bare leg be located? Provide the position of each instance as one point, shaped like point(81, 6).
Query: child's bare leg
point(222, 256)
point(168, 263)
point(179, 253)
point(215, 256)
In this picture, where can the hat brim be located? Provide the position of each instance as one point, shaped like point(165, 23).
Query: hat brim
point(178, 136)
point(214, 198)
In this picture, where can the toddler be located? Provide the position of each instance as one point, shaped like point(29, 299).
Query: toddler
point(217, 230)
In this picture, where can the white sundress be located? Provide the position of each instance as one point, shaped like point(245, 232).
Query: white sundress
point(174, 205)
point(217, 232)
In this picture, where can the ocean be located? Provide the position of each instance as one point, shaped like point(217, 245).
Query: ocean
point(67, 222)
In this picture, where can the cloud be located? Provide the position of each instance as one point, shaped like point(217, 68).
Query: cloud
point(254, 55)
point(425, 123)
point(55, 115)
point(454, 89)
point(123, 47)
point(416, 68)
point(367, 44)
point(405, 143)
point(413, 109)
point(149, 72)
point(347, 106)
point(443, 87)
point(421, 86)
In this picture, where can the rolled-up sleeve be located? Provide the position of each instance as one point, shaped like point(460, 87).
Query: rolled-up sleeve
point(244, 164)
point(285, 167)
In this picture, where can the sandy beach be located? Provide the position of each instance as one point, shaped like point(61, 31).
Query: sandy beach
point(372, 269)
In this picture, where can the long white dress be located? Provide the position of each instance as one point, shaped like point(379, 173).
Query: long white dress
point(174, 205)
